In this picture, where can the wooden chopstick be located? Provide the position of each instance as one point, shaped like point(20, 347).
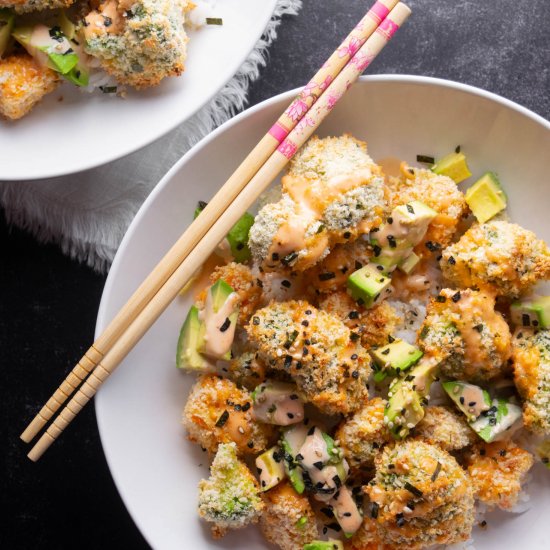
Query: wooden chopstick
point(190, 238)
point(223, 223)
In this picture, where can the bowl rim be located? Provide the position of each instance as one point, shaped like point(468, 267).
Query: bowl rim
point(101, 320)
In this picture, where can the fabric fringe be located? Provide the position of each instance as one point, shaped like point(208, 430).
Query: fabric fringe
point(88, 218)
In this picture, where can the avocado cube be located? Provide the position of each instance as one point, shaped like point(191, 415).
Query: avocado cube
point(6, 26)
point(534, 312)
point(470, 399)
point(271, 468)
point(500, 421)
point(210, 335)
point(346, 511)
point(543, 450)
point(67, 27)
point(486, 198)
point(409, 263)
point(368, 285)
point(187, 356)
point(454, 166)
point(277, 403)
point(330, 544)
point(292, 440)
point(397, 356)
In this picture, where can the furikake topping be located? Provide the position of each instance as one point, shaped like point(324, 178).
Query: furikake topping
point(425, 159)
point(214, 21)
point(222, 419)
point(226, 324)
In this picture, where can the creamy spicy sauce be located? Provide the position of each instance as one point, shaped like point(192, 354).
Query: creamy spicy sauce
point(278, 404)
point(40, 38)
point(218, 342)
point(391, 166)
point(314, 450)
point(108, 19)
point(349, 517)
point(474, 400)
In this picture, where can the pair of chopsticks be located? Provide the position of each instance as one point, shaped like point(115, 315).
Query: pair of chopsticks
point(240, 191)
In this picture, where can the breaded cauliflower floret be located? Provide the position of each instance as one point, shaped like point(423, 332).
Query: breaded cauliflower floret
point(368, 537)
point(143, 42)
point(332, 193)
point(217, 411)
point(363, 435)
point(247, 370)
point(316, 349)
point(24, 6)
point(464, 329)
point(497, 471)
point(243, 282)
point(288, 520)
point(374, 325)
point(23, 83)
point(421, 496)
point(443, 427)
point(439, 193)
point(498, 255)
point(230, 497)
point(333, 271)
point(531, 356)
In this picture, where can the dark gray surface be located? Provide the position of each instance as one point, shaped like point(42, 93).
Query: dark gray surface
point(48, 304)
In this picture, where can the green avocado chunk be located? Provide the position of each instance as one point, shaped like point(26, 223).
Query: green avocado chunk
point(368, 285)
point(469, 398)
point(277, 403)
point(6, 26)
point(237, 236)
point(486, 198)
point(454, 166)
point(291, 441)
point(543, 450)
point(271, 468)
point(409, 263)
point(533, 312)
point(187, 356)
point(501, 420)
point(330, 544)
point(397, 356)
point(407, 397)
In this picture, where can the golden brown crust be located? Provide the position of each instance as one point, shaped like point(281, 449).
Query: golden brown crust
point(497, 470)
point(23, 83)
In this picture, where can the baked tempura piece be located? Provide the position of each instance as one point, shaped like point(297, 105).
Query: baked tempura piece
point(24, 6)
point(23, 83)
point(531, 356)
point(140, 42)
point(500, 256)
point(317, 350)
point(497, 471)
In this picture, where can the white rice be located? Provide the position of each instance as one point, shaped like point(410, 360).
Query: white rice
point(412, 315)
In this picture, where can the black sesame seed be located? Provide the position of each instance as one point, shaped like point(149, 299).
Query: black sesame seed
point(305, 323)
point(246, 406)
point(286, 283)
point(353, 315)
point(525, 320)
point(391, 241)
point(355, 374)
point(377, 250)
point(318, 465)
point(226, 325)
point(358, 265)
point(410, 209)
point(274, 256)
point(456, 297)
point(374, 510)
point(347, 235)
point(288, 361)
point(327, 276)
point(451, 260)
point(222, 419)
point(290, 415)
point(441, 299)
point(255, 321)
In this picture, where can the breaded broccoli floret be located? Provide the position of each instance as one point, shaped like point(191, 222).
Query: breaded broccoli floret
point(288, 520)
point(464, 329)
point(241, 279)
point(332, 193)
point(24, 6)
point(247, 370)
point(439, 193)
point(374, 325)
point(230, 497)
point(23, 83)
point(363, 435)
point(498, 255)
point(531, 356)
point(217, 411)
point(497, 471)
point(138, 43)
point(368, 537)
point(317, 350)
point(443, 427)
point(420, 496)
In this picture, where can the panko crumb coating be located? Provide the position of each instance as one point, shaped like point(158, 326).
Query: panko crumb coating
point(367, 537)
point(363, 435)
point(25, 6)
point(246, 370)
point(217, 411)
point(421, 496)
point(498, 255)
point(230, 497)
point(332, 193)
point(281, 522)
point(443, 427)
point(497, 471)
point(464, 329)
point(531, 359)
point(331, 273)
point(317, 350)
point(241, 279)
point(23, 83)
point(438, 192)
point(144, 42)
point(374, 325)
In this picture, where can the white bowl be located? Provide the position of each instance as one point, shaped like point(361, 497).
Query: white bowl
point(154, 467)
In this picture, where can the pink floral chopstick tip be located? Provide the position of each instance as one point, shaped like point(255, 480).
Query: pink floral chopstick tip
point(331, 68)
point(348, 75)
